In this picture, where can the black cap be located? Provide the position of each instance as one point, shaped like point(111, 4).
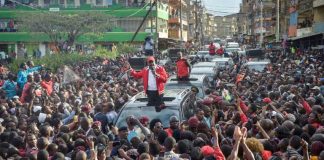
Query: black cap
point(194, 89)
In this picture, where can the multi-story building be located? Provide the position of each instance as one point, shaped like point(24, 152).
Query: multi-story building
point(127, 15)
point(209, 27)
point(264, 24)
point(306, 27)
point(283, 20)
point(194, 21)
point(244, 21)
point(226, 26)
point(178, 24)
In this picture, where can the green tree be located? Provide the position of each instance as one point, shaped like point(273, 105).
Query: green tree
point(61, 27)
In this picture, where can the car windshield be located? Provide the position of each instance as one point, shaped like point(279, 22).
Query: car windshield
point(209, 75)
point(257, 67)
point(186, 85)
point(150, 112)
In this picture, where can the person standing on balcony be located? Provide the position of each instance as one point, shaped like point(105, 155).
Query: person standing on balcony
point(148, 46)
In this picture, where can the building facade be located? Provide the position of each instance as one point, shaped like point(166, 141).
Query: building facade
point(306, 24)
point(226, 26)
point(178, 22)
point(127, 17)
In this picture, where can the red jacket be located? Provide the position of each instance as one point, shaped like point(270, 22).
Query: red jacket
point(48, 86)
point(220, 51)
point(183, 68)
point(212, 49)
point(160, 80)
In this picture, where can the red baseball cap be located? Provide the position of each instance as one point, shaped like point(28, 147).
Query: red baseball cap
point(150, 58)
point(207, 150)
point(266, 100)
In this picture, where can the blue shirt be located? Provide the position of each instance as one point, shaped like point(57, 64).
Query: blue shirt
point(22, 75)
point(10, 88)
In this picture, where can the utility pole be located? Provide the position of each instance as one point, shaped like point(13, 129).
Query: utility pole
point(278, 22)
point(145, 17)
point(196, 19)
point(201, 13)
point(156, 27)
point(181, 38)
point(261, 33)
point(151, 18)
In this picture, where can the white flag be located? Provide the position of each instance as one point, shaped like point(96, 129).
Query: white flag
point(69, 75)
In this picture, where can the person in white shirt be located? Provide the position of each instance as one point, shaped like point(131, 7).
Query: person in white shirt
point(154, 78)
point(148, 46)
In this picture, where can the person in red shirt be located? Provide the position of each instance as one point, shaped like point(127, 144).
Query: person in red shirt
point(154, 78)
point(47, 84)
point(183, 68)
point(220, 51)
point(212, 49)
point(174, 125)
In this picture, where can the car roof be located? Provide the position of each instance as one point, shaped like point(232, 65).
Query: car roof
point(171, 96)
point(198, 78)
point(220, 59)
point(205, 64)
point(257, 62)
point(203, 52)
point(202, 70)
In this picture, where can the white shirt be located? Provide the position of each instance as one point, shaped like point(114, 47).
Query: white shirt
point(151, 81)
point(148, 44)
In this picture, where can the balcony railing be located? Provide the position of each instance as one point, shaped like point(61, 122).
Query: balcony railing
point(318, 27)
point(304, 31)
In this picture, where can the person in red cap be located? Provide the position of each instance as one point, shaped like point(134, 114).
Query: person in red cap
point(183, 68)
point(154, 78)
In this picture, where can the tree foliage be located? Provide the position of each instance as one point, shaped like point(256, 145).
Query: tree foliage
point(65, 28)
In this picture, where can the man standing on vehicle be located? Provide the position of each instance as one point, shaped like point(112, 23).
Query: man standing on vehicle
point(220, 51)
point(183, 68)
point(154, 78)
point(212, 49)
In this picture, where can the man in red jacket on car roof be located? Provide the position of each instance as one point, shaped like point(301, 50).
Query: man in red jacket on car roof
point(154, 78)
point(183, 68)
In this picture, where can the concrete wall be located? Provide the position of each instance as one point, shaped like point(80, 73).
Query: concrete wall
point(319, 14)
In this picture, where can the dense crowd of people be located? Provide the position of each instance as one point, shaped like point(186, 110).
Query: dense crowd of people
point(269, 115)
